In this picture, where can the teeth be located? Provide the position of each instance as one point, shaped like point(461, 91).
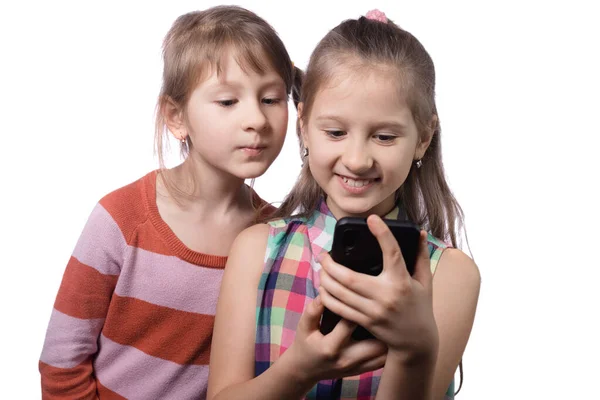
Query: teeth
point(356, 183)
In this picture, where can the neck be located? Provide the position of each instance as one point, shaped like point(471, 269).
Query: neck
point(209, 188)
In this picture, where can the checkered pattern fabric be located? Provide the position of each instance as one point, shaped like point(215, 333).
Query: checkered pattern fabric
point(289, 282)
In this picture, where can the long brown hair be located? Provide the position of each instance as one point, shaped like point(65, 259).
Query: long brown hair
point(365, 43)
point(194, 46)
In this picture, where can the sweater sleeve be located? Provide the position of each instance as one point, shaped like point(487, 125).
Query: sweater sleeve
point(81, 306)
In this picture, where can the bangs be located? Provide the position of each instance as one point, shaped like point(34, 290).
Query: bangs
point(250, 56)
point(200, 50)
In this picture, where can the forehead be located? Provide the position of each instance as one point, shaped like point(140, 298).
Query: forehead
point(234, 64)
point(367, 95)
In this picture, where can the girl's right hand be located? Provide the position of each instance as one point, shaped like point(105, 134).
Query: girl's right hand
point(316, 356)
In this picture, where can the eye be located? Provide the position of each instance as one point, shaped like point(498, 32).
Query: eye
point(335, 134)
point(385, 138)
point(227, 103)
point(271, 101)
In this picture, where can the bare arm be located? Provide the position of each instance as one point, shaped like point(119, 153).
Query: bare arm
point(455, 293)
point(234, 331)
point(311, 357)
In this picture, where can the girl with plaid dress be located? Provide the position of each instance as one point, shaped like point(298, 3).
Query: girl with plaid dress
point(370, 141)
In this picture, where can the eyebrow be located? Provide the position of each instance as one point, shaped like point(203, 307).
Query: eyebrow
point(272, 83)
point(379, 125)
point(326, 117)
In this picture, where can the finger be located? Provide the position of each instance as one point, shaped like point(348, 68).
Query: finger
point(392, 255)
point(344, 294)
point(311, 317)
point(341, 309)
point(423, 265)
point(361, 284)
point(367, 366)
point(364, 355)
point(341, 335)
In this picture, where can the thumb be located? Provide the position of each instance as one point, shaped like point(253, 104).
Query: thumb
point(423, 264)
point(311, 317)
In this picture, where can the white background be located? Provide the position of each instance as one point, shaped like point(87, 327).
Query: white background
point(518, 95)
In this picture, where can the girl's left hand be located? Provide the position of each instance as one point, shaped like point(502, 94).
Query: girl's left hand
point(395, 307)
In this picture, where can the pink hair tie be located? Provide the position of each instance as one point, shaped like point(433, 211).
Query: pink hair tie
point(377, 15)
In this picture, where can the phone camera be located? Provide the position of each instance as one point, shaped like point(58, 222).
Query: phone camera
point(350, 238)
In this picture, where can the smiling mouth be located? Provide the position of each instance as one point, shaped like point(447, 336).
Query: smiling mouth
point(357, 183)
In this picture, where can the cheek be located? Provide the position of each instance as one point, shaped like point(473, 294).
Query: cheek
point(397, 166)
point(279, 121)
point(210, 125)
point(321, 159)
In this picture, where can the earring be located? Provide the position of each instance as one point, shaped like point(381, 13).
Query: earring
point(305, 152)
point(419, 163)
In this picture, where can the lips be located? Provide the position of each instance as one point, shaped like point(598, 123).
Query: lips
point(356, 185)
point(254, 146)
point(253, 150)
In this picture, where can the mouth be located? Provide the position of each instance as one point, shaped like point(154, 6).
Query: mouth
point(355, 185)
point(253, 150)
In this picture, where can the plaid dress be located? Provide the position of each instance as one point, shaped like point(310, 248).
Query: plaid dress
point(289, 282)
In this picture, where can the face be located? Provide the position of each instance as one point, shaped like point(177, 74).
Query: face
point(362, 141)
point(237, 120)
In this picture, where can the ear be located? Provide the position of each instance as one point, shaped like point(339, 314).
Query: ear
point(301, 125)
point(173, 116)
point(426, 138)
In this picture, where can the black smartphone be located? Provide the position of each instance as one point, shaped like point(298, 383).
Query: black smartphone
point(355, 247)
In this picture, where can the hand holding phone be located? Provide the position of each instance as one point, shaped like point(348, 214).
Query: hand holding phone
point(355, 247)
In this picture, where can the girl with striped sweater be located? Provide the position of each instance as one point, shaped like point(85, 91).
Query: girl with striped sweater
point(134, 314)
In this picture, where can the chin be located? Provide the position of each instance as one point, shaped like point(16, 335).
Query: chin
point(251, 172)
point(355, 207)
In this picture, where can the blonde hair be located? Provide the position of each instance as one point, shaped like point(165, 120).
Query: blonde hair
point(195, 45)
point(362, 44)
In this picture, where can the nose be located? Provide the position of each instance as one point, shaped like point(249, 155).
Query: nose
point(356, 157)
point(254, 118)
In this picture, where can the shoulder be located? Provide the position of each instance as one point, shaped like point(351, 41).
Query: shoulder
point(249, 244)
point(265, 239)
point(258, 237)
point(128, 206)
point(252, 236)
point(459, 271)
point(115, 217)
point(130, 194)
point(246, 256)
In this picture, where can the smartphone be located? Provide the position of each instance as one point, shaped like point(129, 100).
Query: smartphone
point(355, 247)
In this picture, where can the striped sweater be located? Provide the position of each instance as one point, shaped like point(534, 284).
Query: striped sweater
point(134, 314)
